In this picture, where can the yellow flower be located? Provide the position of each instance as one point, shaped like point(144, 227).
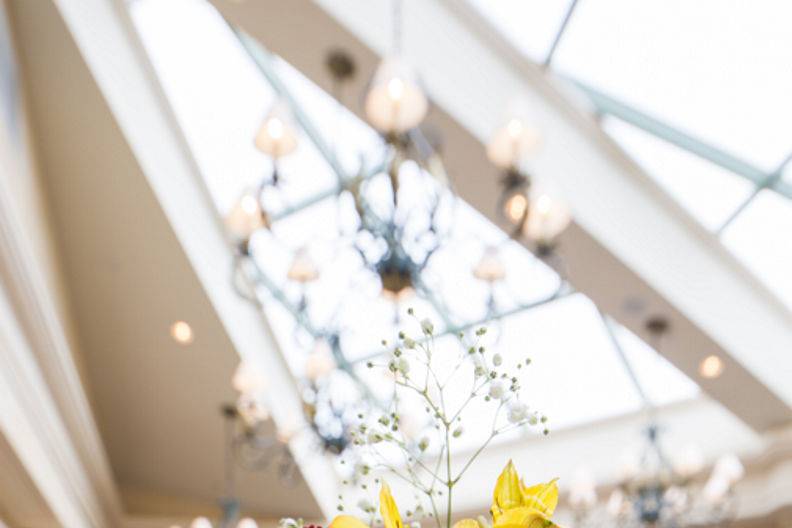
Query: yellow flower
point(515, 505)
point(388, 510)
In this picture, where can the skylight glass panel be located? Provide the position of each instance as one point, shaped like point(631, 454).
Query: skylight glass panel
point(574, 377)
point(708, 192)
point(530, 25)
point(220, 98)
point(718, 69)
point(661, 382)
point(761, 236)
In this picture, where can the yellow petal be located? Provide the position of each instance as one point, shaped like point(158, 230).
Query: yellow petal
point(507, 492)
point(388, 509)
point(523, 517)
point(347, 521)
point(467, 523)
point(543, 497)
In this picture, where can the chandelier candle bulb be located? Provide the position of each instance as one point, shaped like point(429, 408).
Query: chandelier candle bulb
point(276, 136)
point(395, 102)
point(512, 144)
point(515, 207)
point(303, 268)
point(200, 522)
point(547, 219)
point(245, 217)
point(320, 361)
point(490, 268)
point(248, 379)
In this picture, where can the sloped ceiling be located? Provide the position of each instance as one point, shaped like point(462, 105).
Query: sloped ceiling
point(157, 403)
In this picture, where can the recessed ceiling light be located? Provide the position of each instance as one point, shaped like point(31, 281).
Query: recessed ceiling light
point(181, 332)
point(711, 367)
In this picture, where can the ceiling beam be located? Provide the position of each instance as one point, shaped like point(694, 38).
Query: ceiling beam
point(623, 249)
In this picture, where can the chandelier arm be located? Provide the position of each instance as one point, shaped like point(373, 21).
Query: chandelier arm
point(563, 291)
point(440, 307)
point(236, 270)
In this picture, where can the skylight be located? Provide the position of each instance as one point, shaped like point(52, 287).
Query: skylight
point(716, 71)
point(220, 98)
point(690, 179)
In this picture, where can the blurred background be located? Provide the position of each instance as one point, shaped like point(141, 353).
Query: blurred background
point(215, 215)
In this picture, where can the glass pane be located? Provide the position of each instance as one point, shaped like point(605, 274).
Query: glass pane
point(531, 25)
point(711, 194)
point(762, 238)
point(718, 69)
point(661, 381)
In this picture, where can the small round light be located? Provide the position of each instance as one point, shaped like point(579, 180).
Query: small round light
point(182, 333)
point(711, 367)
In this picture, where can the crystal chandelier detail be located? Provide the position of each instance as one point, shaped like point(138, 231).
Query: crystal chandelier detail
point(660, 488)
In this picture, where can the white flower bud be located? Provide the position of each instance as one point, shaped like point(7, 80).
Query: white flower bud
point(365, 505)
point(458, 432)
point(403, 365)
point(427, 327)
point(518, 411)
point(374, 437)
point(496, 389)
point(497, 360)
point(533, 419)
point(423, 444)
point(409, 342)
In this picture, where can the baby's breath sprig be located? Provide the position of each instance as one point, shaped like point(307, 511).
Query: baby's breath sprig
point(412, 362)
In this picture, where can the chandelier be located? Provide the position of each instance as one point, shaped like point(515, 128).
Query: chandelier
point(246, 445)
point(399, 208)
point(660, 489)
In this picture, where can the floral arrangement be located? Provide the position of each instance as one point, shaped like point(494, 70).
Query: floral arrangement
point(444, 384)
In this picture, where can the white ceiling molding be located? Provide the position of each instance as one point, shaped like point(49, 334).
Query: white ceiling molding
point(628, 234)
point(31, 423)
point(109, 45)
point(39, 363)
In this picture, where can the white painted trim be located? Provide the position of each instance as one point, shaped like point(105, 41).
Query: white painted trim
point(42, 377)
